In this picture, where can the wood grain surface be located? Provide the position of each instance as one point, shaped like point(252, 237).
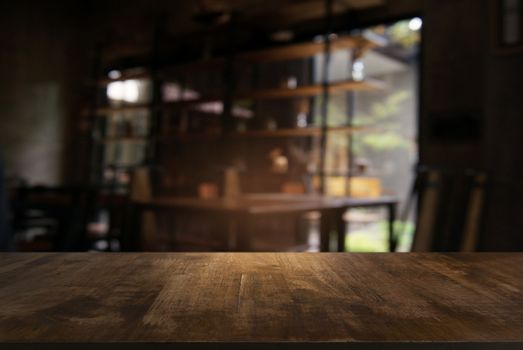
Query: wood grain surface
point(261, 297)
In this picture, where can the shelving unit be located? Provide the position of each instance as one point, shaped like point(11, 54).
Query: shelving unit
point(157, 108)
point(273, 54)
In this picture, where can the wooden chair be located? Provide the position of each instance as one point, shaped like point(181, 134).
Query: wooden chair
point(475, 209)
point(449, 204)
point(428, 186)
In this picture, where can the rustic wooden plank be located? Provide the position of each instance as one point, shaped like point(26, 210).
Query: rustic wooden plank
point(271, 297)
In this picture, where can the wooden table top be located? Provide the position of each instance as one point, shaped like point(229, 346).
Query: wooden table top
point(261, 297)
point(266, 203)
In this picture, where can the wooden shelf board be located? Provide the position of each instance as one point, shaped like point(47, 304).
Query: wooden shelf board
point(193, 137)
point(264, 94)
point(294, 132)
point(280, 93)
point(122, 166)
point(312, 90)
point(174, 105)
point(274, 54)
point(287, 132)
point(328, 173)
point(303, 50)
point(351, 85)
point(138, 140)
point(108, 110)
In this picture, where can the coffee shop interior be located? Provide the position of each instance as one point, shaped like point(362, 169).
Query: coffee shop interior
point(261, 126)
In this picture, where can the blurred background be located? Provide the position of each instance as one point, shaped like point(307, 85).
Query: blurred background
point(224, 125)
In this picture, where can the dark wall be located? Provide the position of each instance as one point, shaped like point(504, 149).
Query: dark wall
point(467, 81)
point(503, 149)
point(465, 76)
point(42, 69)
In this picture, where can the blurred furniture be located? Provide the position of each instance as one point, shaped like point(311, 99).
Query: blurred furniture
point(239, 213)
point(109, 222)
point(450, 205)
point(232, 221)
point(358, 192)
point(141, 190)
point(51, 218)
point(471, 230)
point(388, 202)
point(262, 301)
point(193, 102)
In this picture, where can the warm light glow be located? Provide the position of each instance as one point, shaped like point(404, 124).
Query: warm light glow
point(365, 187)
point(415, 24)
point(123, 91)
